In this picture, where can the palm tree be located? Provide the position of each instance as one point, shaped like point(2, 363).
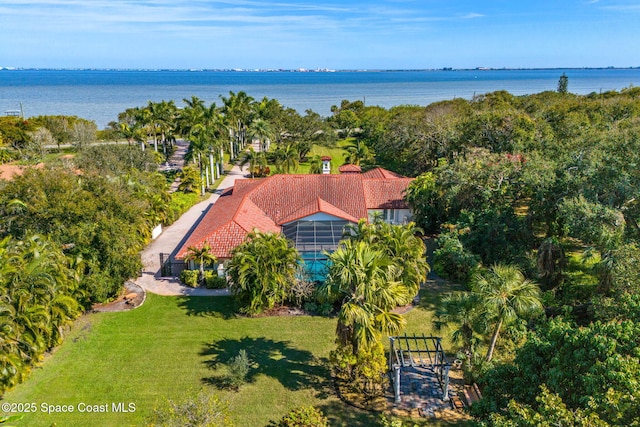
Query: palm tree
point(357, 152)
point(191, 116)
point(189, 180)
point(315, 164)
point(363, 280)
point(199, 147)
point(408, 253)
point(164, 116)
point(463, 310)
point(505, 295)
point(201, 256)
point(287, 158)
point(238, 109)
point(130, 132)
point(38, 301)
point(143, 120)
point(290, 159)
point(262, 271)
point(401, 244)
point(252, 158)
point(261, 130)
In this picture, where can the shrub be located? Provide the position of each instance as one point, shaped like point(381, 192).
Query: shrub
point(306, 416)
point(239, 368)
point(321, 309)
point(362, 373)
point(7, 155)
point(189, 278)
point(179, 204)
point(302, 290)
point(202, 410)
point(213, 281)
point(452, 261)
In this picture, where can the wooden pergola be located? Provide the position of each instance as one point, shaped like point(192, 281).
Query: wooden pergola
point(418, 352)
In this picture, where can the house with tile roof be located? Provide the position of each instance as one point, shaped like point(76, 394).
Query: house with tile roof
point(310, 210)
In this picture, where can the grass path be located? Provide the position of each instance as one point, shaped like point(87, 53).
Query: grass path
point(172, 346)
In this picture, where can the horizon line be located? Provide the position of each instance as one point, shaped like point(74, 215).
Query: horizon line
point(309, 70)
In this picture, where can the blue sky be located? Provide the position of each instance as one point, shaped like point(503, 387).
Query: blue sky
point(333, 34)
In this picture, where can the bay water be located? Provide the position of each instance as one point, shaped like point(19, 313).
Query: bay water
point(99, 95)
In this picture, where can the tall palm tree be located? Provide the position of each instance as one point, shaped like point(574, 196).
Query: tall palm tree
point(238, 109)
point(191, 116)
point(152, 117)
point(201, 256)
point(199, 148)
point(362, 279)
point(505, 295)
point(143, 119)
point(165, 114)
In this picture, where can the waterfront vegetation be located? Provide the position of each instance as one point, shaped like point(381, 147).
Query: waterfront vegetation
point(531, 201)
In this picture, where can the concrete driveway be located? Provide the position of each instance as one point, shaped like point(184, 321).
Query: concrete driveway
point(168, 242)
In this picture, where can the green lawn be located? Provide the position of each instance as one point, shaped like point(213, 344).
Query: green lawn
point(336, 153)
point(169, 347)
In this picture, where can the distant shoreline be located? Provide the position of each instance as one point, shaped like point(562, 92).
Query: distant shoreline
point(101, 94)
point(317, 70)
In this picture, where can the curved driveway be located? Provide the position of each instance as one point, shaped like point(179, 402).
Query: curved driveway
point(168, 242)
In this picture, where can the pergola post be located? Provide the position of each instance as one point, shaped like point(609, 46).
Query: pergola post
point(446, 382)
point(392, 347)
point(436, 362)
point(396, 383)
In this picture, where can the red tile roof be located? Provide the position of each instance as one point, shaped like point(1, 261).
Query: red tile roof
point(268, 203)
point(385, 193)
point(349, 168)
point(381, 173)
point(317, 206)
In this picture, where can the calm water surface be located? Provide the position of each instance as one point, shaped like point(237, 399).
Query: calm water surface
point(100, 95)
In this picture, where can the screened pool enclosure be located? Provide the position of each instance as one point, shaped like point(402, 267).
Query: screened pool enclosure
point(312, 239)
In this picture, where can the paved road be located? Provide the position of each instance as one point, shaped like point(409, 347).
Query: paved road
point(168, 242)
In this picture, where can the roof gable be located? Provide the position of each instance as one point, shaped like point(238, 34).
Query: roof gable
point(318, 205)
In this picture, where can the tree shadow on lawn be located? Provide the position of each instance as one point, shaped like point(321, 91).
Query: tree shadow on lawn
point(432, 291)
point(223, 307)
point(295, 369)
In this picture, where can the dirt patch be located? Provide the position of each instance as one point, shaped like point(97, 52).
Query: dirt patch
point(8, 171)
point(132, 296)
